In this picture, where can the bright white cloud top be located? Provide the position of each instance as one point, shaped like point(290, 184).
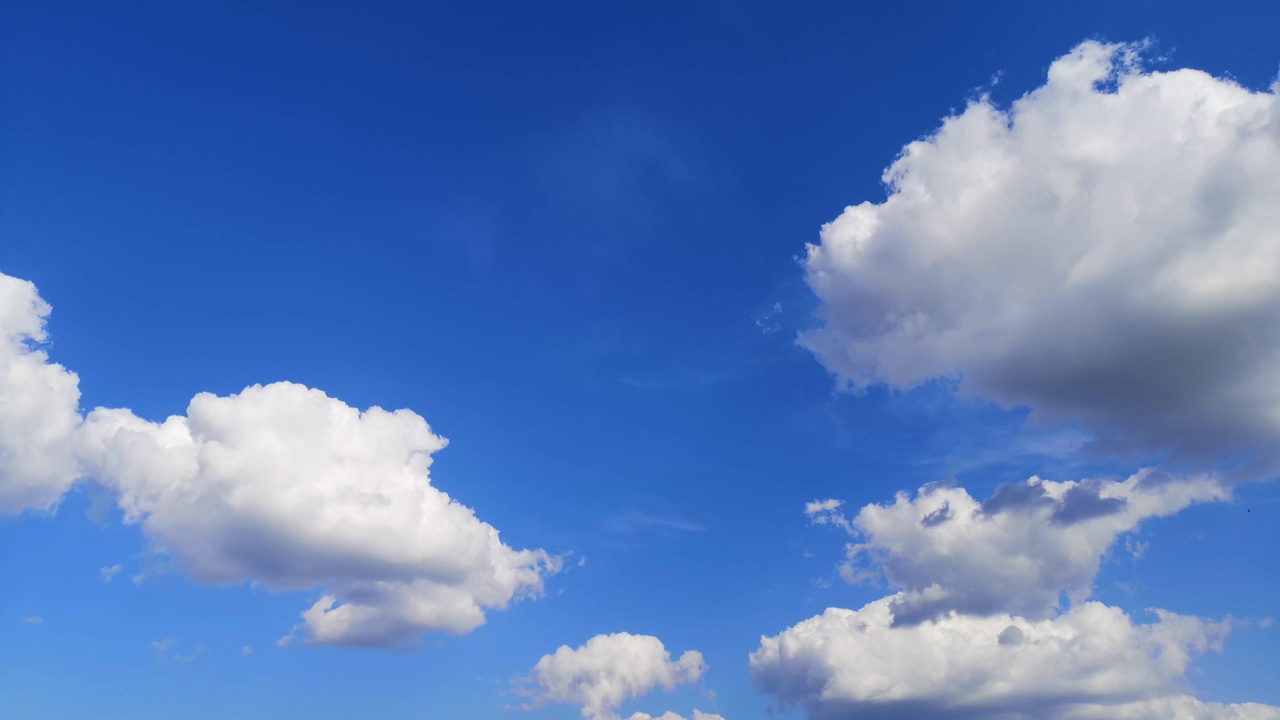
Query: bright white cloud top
point(608, 670)
point(1107, 250)
point(279, 485)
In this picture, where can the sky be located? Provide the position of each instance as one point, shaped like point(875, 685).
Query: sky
point(690, 361)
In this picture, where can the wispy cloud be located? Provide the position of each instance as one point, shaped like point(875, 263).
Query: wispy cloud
point(619, 169)
point(635, 521)
point(166, 650)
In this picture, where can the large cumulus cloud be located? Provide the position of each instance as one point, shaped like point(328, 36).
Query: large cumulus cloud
point(279, 485)
point(1090, 662)
point(1107, 250)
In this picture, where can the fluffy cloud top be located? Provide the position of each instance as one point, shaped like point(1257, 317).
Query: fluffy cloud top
point(1092, 661)
point(1107, 251)
point(1014, 553)
point(279, 485)
point(39, 406)
point(609, 670)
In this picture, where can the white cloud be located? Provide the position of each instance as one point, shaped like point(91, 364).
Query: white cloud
point(697, 715)
point(39, 406)
point(1106, 251)
point(1014, 553)
point(109, 573)
point(279, 485)
point(609, 670)
point(33, 620)
point(1091, 661)
point(284, 486)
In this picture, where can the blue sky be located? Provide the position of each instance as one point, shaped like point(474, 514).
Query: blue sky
point(572, 237)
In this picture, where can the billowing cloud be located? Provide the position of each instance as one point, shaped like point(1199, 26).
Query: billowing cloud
point(285, 486)
point(1014, 553)
point(39, 406)
point(1091, 662)
point(279, 485)
point(1105, 251)
point(607, 671)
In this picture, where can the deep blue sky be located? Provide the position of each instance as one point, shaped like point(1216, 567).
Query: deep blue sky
point(559, 231)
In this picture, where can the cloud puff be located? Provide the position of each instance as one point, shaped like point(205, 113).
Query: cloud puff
point(279, 485)
point(609, 670)
point(1090, 662)
point(1014, 553)
point(1106, 251)
point(39, 406)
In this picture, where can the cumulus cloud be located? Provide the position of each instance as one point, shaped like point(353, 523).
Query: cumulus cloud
point(1092, 661)
point(1016, 552)
point(285, 486)
point(607, 671)
point(1106, 251)
point(279, 485)
point(39, 406)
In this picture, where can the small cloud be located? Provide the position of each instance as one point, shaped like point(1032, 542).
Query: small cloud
point(109, 573)
point(768, 322)
point(1136, 548)
point(166, 651)
point(1266, 622)
point(582, 561)
point(33, 620)
point(285, 641)
point(827, 512)
point(246, 651)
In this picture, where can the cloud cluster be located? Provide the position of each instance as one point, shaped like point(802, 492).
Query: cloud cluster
point(607, 671)
point(978, 628)
point(1105, 251)
point(1016, 552)
point(279, 485)
point(1091, 661)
